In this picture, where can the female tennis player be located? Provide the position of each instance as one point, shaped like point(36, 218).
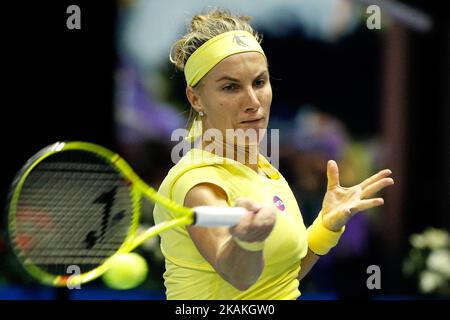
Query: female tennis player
point(270, 250)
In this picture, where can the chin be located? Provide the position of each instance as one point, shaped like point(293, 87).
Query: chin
point(251, 136)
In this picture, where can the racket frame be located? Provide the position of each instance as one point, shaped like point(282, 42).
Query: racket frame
point(138, 189)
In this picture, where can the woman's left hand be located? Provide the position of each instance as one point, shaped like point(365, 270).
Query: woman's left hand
point(340, 204)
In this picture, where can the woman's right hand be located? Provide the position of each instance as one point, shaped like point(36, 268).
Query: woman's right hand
point(257, 225)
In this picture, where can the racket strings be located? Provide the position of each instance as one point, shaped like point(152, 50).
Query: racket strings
point(74, 209)
point(67, 206)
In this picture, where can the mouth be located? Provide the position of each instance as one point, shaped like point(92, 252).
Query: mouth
point(256, 120)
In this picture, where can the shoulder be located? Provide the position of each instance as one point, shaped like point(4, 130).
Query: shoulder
point(206, 194)
point(207, 182)
point(198, 168)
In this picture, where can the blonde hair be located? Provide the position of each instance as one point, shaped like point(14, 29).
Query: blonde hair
point(203, 27)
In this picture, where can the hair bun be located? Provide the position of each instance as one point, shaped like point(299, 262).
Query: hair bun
point(197, 22)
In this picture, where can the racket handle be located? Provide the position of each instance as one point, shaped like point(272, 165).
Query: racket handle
point(211, 216)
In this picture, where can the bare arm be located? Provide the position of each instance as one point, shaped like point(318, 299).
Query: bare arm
point(307, 263)
point(240, 267)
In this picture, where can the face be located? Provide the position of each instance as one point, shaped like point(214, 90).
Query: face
point(235, 94)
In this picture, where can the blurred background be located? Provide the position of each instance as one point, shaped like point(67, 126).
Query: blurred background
point(366, 83)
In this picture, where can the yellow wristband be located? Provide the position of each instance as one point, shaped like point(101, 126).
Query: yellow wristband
point(321, 239)
point(249, 246)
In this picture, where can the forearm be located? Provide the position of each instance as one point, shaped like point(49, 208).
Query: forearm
point(307, 263)
point(241, 264)
point(321, 240)
point(240, 267)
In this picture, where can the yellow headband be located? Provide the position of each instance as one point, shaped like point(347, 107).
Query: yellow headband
point(215, 50)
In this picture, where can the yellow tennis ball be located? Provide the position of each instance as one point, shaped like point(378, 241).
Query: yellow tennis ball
point(126, 271)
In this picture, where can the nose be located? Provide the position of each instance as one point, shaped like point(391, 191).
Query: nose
point(251, 103)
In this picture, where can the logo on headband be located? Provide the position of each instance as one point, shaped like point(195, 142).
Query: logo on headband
point(238, 40)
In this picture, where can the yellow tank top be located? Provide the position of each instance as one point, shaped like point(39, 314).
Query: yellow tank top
point(188, 275)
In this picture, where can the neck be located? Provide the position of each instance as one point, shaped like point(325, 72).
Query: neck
point(245, 154)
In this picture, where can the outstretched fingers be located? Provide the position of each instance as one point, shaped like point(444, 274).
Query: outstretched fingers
point(332, 174)
point(376, 186)
point(380, 175)
point(367, 204)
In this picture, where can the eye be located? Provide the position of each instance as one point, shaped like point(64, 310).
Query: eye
point(230, 87)
point(260, 83)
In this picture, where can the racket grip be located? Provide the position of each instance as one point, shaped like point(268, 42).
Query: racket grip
point(211, 216)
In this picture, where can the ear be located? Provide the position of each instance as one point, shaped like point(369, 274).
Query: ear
point(194, 98)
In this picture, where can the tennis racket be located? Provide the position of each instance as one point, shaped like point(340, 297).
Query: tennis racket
point(78, 204)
